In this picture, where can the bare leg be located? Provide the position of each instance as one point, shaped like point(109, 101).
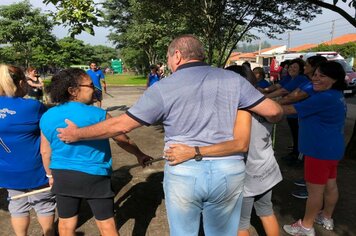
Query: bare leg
point(331, 196)
point(98, 103)
point(107, 227)
point(270, 225)
point(66, 226)
point(243, 232)
point(20, 225)
point(314, 203)
point(46, 223)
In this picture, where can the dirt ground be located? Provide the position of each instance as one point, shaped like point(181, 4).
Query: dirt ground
point(139, 202)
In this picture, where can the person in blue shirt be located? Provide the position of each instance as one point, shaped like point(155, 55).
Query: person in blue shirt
point(297, 79)
point(153, 76)
point(299, 94)
point(86, 162)
point(260, 76)
point(322, 118)
point(20, 159)
point(97, 76)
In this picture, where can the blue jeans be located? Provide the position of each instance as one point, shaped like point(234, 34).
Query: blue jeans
point(212, 188)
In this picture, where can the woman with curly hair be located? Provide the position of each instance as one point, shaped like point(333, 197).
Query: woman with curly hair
point(89, 162)
point(20, 163)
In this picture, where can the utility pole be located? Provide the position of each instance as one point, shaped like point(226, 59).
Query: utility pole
point(332, 31)
point(259, 52)
point(288, 44)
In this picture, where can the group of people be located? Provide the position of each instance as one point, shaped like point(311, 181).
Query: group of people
point(220, 162)
point(32, 157)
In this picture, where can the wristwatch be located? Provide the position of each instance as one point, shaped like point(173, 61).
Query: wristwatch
point(198, 156)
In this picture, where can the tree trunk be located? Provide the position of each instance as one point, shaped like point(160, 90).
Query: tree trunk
point(350, 151)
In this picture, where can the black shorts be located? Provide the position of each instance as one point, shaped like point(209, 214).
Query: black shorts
point(98, 95)
point(102, 208)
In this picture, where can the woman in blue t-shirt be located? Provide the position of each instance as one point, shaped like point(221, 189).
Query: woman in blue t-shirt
point(20, 160)
point(81, 170)
point(321, 138)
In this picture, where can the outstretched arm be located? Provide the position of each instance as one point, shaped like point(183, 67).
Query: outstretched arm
point(106, 129)
point(178, 153)
point(279, 92)
point(295, 96)
point(269, 109)
point(130, 146)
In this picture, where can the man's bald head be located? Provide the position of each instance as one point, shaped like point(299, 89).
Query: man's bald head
point(189, 46)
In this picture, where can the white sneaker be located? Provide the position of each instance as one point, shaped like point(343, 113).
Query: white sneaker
point(297, 229)
point(328, 224)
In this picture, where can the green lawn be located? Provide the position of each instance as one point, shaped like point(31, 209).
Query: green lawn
point(125, 80)
point(118, 80)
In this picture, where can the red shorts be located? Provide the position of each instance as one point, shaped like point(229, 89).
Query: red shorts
point(318, 171)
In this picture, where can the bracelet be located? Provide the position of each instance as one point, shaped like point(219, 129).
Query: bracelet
point(49, 176)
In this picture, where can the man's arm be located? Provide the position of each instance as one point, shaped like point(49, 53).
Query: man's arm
point(269, 109)
point(106, 129)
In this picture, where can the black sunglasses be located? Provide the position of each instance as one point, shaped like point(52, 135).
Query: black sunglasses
point(87, 85)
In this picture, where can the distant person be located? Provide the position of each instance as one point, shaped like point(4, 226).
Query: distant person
point(261, 78)
point(322, 119)
point(275, 68)
point(246, 63)
point(80, 171)
point(284, 71)
point(21, 168)
point(97, 76)
point(153, 76)
point(161, 70)
point(35, 84)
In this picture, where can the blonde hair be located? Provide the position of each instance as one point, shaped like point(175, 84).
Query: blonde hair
point(10, 80)
point(7, 85)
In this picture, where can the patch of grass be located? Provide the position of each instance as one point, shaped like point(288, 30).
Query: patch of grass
point(125, 80)
point(118, 80)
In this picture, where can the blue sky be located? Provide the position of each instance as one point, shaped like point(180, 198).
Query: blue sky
point(316, 31)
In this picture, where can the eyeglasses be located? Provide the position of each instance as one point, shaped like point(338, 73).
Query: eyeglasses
point(87, 85)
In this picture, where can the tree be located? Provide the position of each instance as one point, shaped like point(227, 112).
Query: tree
point(347, 50)
point(333, 7)
point(25, 29)
point(219, 24)
point(78, 15)
point(72, 52)
point(101, 54)
point(144, 26)
point(252, 47)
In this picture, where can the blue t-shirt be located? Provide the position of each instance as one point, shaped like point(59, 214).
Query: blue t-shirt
point(197, 103)
point(308, 88)
point(20, 159)
point(96, 76)
point(263, 84)
point(321, 125)
point(89, 156)
point(297, 82)
point(285, 80)
point(152, 78)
